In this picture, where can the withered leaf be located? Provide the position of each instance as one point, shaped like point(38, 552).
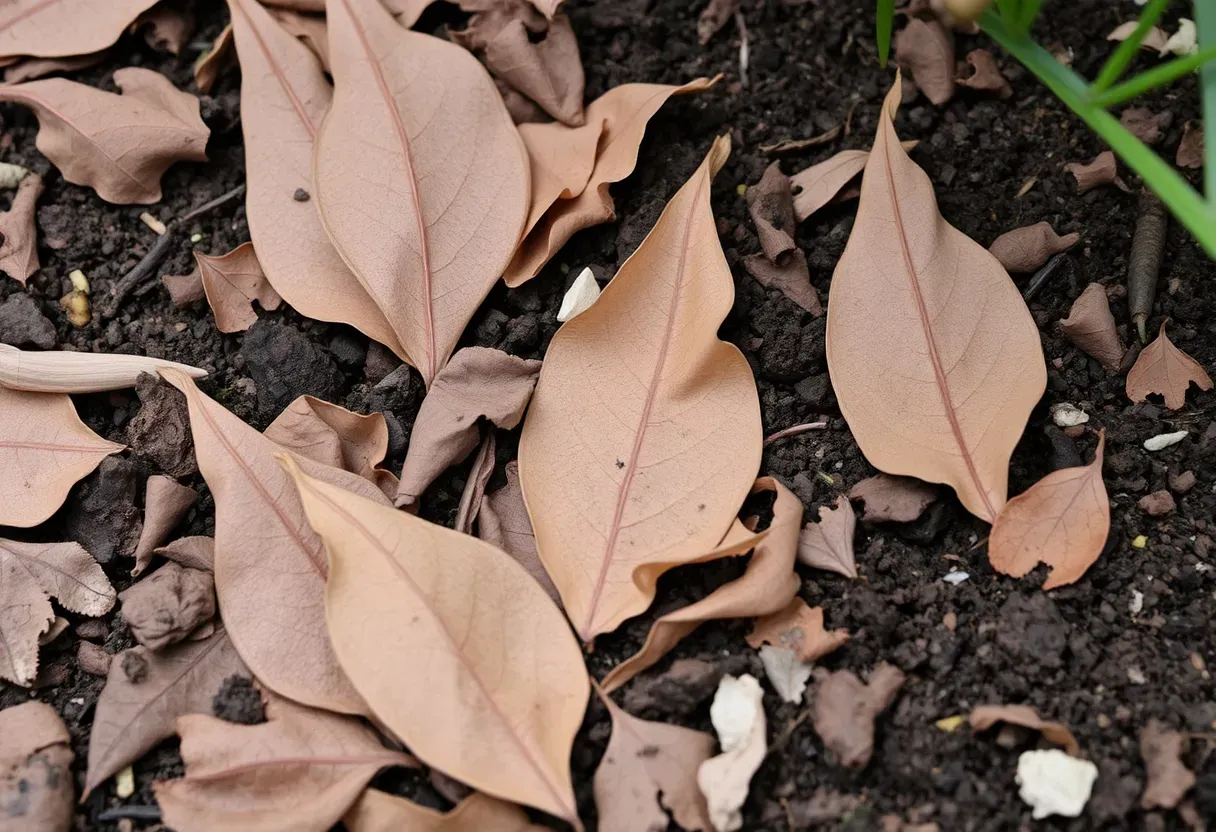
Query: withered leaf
point(36, 786)
point(504, 522)
point(713, 17)
point(1091, 326)
point(334, 436)
point(165, 504)
point(1190, 149)
point(823, 182)
point(1167, 371)
point(475, 484)
point(232, 282)
point(19, 232)
point(549, 71)
point(1168, 778)
point(985, 716)
point(30, 68)
point(215, 61)
point(926, 50)
point(771, 205)
point(737, 714)
point(57, 29)
point(167, 606)
point(790, 275)
point(888, 499)
point(800, 628)
point(828, 544)
point(191, 552)
point(167, 26)
point(1102, 170)
point(845, 710)
point(786, 673)
point(985, 74)
point(1025, 249)
point(561, 160)
point(376, 811)
point(1154, 40)
point(310, 29)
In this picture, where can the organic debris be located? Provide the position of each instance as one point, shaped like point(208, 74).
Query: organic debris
point(1168, 779)
point(36, 785)
point(1091, 327)
point(1025, 249)
point(986, 75)
point(232, 282)
point(889, 499)
point(737, 714)
point(165, 505)
point(1164, 370)
point(18, 233)
point(1053, 783)
point(1190, 148)
point(1101, 170)
point(985, 716)
point(799, 628)
point(926, 50)
point(845, 710)
point(828, 544)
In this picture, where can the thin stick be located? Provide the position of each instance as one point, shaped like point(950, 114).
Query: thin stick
point(223, 199)
point(1041, 276)
point(795, 431)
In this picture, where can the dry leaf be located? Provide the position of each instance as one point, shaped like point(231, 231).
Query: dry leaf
point(561, 160)
point(737, 714)
point(165, 504)
point(301, 770)
point(1144, 124)
point(417, 130)
point(800, 628)
point(1154, 40)
point(30, 68)
point(823, 182)
point(468, 632)
point(191, 552)
point(184, 289)
point(167, 26)
point(986, 75)
point(44, 450)
point(19, 231)
point(478, 383)
point(503, 522)
point(828, 544)
point(77, 372)
point(1062, 520)
point(232, 282)
point(1163, 369)
point(845, 710)
point(1091, 327)
point(925, 49)
point(713, 17)
point(215, 60)
point(36, 786)
point(146, 692)
point(334, 436)
point(168, 605)
point(1190, 149)
point(888, 499)
point(985, 716)
point(648, 770)
point(309, 29)
point(786, 673)
point(935, 382)
point(376, 811)
point(624, 112)
point(792, 277)
point(1025, 249)
point(1168, 778)
point(772, 208)
point(119, 145)
point(1102, 170)
point(548, 71)
point(639, 403)
point(30, 575)
point(56, 29)
point(475, 484)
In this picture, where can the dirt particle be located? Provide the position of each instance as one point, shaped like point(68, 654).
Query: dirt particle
point(23, 324)
point(93, 659)
point(1182, 483)
point(301, 195)
point(1157, 504)
point(239, 701)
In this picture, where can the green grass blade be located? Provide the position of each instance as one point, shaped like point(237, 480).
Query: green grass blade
point(1030, 10)
point(1158, 76)
point(1117, 63)
point(882, 29)
point(1205, 22)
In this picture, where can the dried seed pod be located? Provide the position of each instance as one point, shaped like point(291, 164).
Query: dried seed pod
point(78, 372)
point(1144, 262)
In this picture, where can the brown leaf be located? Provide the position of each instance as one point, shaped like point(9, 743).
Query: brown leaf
point(1025, 249)
point(1062, 520)
point(1190, 149)
point(308, 28)
point(1154, 40)
point(232, 282)
point(19, 231)
point(1168, 779)
point(284, 97)
point(648, 770)
point(639, 403)
point(845, 710)
point(925, 49)
point(790, 274)
point(766, 587)
point(468, 632)
point(36, 786)
point(1144, 124)
point(475, 484)
point(30, 68)
point(1091, 327)
point(417, 130)
point(44, 450)
point(216, 60)
point(167, 26)
point(184, 289)
point(30, 575)
point(888, 499)
point(334, 436)
point(146, 692)
point(548, 71)
point(119, 145)
point(165, 504)
point(935, 382)
point(168, 605)
point(478, 383)
point(56, 29)
point(985, 716)
point(1163, 369)
point(1102, 170)
point(772, 208)
point(376, 811)
point(191, 552)
point(624, 112)
point(504, 522)
point(303, 768)
point(823, 182)
point(799, 628)
point(986, 75)
point(828, 544)
point(561, 160)
point(713, 17)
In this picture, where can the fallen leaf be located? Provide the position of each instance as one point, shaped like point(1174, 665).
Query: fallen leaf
point(334, 436)
point(713, 17)
point(77, 372)
point(417, 130)
point(737, 714)
point(925, 49)
point(986, 75)
point(1102, 170)
point(888, 499)
point(648, 770)
point(168, 605)
point(165, 504)
point(1091, 327)
point(786, 672)
point(771, 206)
point(300, 770)
point(28, 69)
point(504, 522)
point(36, 785)
point(232, 282)
point(1154, 40)
point(561, 160)
point(184, 289)
point(1168, 779)
point(1163, 369)
point(583, 292)
point(828, 544)
point(1144, 124)
point(215, 60)
point(19, 232)
point(475, 484)
point(167, 26)
point(478, 383)
point(119, 145)
point(791, 276)
point(845, 710)
point(639, 402)
point(966, 367)
point(800, 628)
point(376, 811)
point(1190, 149)
point(468, 631)
point(1053, 783)
point(57, 29)
point(44, 450)
point(1062, 520)
point(310, 30)
point(547, 7)
point(191, 552)
point(821, 182)
point(985, 716)
point(146, 692)
point(1025, 249)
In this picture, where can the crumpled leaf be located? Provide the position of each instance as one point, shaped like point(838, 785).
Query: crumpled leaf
point(828, 544)
point(965, 367)
point(1062, 520)
point(737, 714)
point(1144, 124)
point(1091, 327)
point(985, 74)
point(1025, 249)
point(167, 26)
point(19, 231)
point(376, 811)
point(504, 522)
point(648, 770)
point(1168, 778)
point(1167, 371)
point(58, 29)
point(713, 17)
point(232, 282)
point(925, 48)
point(845, 710)
point(168, 605)
point(469, 633)
point(400, 100)
point(215, 61)
point(478, 383)
point(823, 182)
point(786, 672)
point(1190, 149)
point(334, 436)
point(146, 692)
point(191, 552)
point(782, 265)
point(166, 502)
point(475, 483)
point(119, 145)
point(1101, 170)
point(888, 499)
point(799, 628)
point(27, 69)
point(791, 276)
point(309, 29)
point(1154, 40)
point(985, 716)
point(184, 289)
point(301, 770)
point(36, 785)
point(561, 160)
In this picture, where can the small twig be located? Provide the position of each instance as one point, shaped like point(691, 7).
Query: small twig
point(784, 737)
point(744, 52)
point(148, 813)
point(791, 145)
point(795, 431)
point(1144, 262)
point(223, 199)
point(1042, 275)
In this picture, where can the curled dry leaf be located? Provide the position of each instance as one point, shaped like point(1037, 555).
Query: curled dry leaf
point(19, 232)
point(737, 714)
point(985, 716)
point(561, 160)
point(782, 265)
point(191, 552)
point(168, 605)
point(1025, 249)
point(790, 275)
point(1102, 170)
point(800, 628)
point(845, 710)
point(165, 504)
point(303, 768)
point(985, 74)
point(1168, 778)
point(1154, 40)
point(713, 17)
point(828, 544)
point(376, 811)
point(215, 60)
point(78, 372)
point(146, 692)
point(639, 403)
point(36, 785)
point(1163, 369)
point(1062, 520)
point(1091, 327)
point(888, 499)
point(468, 631)
point(475, 484)
point(926, 50)
point(1190, 149)
point(57, 29)
point(232, 282)
point(503, 522)
point(824, 181)
point(334, 436)
point(1144, 124)
point(965, 366)
point(548, 71)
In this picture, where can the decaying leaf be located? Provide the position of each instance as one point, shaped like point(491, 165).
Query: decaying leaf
point(58, 29)
point(334, 436)
point(167, 606)
point(1091, 327)
point(1102, 170)
point(782, 265)
point(192, 552)
point(215, 60)
point(232, 282)
point(888, 499)
point(78, 372)
point(1144, 124)
point(36, 786)
point(791, 276)
point(504, 522)
point(985, 716)
point(713, 17)
point(469, 633)
point(985, 74)
point(1025, 249)
point(926, 50)
point(1154, 40)
point(376, 811)
point(146, 692)
point(737, 714)
point(1168, 778)
point(799, 628)
point(167, 26)
point(828, 544)
point(1190, 149)
point(166, 502)
point(19, 232)
point(475, 484)
point(786, 672)
point(1062, 520)
point(184, 289)
point(845, 710)
point(965, 366)
point(824, 182)
point(1163, 369)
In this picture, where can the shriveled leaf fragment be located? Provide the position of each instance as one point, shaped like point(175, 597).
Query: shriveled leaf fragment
point(334, 436)
point(986, 75)
point(561, 160)
point(1168, 778)
point(737, 714)
point(547, 70)
point(1154, 40)
point(166, 502)
point(1144, 124)
point(167, 606)
point(1025, 249)
point(77, 372)
point(232, 282)
point(58, 29)
point(790, 274)
point(799, 628)
point(713, 17)
point(485, 681)
point(19, 232)
point(192, 552)
point(888, 499)
point(935, 381)
point(782, 265)
point(30, 68)
point(786, 672)
point(184, 289)
point(845, 710)
point(504, 522)
point(1062, 520)
point(824, 181)
point(215, 61)
point(376, 811)
point(475, 484)
point(985, 716)
point(1163, 369)
point(36, 785)
point(828, 544)
point(926, 50)
point(1102, 170)
point(1190, 149)
point(1091, 327)
point(167, 26)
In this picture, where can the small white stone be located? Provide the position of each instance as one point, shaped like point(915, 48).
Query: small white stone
point(1137, 602)
point(1163, 440)
point(1067, 415)
point(1053, 783)
point(1183, 42)
point(786, 674)
point(1203, 567)
point(734, 709)
point(955, 577)
point(579, 297)
point(1135, 675)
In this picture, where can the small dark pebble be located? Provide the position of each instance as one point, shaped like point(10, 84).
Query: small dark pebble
point(301, 195)
point(239, 701)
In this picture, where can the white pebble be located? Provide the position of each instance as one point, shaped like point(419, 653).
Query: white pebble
point(1163, 440)
point(1137, 602)
point(955, 577)
point(1053, 783)
point(579, 297)
point(1183, 42)
point(1135, 675)
point(1067, 415)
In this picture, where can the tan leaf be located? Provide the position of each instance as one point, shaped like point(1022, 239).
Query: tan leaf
point(167, 26)
point(30, 68)
point(44, 450)
point(985, 716)
point(1102, 170)
point(308, 28)
point(985, 74)
point(823, 182)
point(301, 770)
point(168, 605)
point(1025, 249)
point(935, 382)
point(799, 628)
point(548, 71)
point(215, 61)
point(503, 522)
point(1154, 40)
point(36, 785)
point(737, 714)
point(889, 499)
point(146, 692)
point(417, 130)
point(1168, 778)
point(232, 282)
point(649, 769)
point(1190, 149)
point(1091, 326)
point(790, 275)
point(828, 544)
point(184, 289)
point(475, 484)
point(191, 552)
point(58, 28)
point(1167, 371)
point(547, 7)
point(926, 50)
point(334, 436)
point(165, 504)
point(1144, 124)
point(766, 587)
point(1062, 520)
point(468, 632)
point(119, 145)
point(376, 811)
point(845, 710)
point(624, 112)
point(19, 232)
point(30, 573)
point(478, 383)
point(561, 160)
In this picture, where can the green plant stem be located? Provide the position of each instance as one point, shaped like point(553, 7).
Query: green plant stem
point(1117, 63)
point(1158, 76)
point(1030, 10)
point(1205, 22)
point(882, 29)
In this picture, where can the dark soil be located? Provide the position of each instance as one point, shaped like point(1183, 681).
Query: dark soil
point(1077, 654)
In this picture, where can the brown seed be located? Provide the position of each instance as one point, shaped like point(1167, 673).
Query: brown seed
point(93, 659)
